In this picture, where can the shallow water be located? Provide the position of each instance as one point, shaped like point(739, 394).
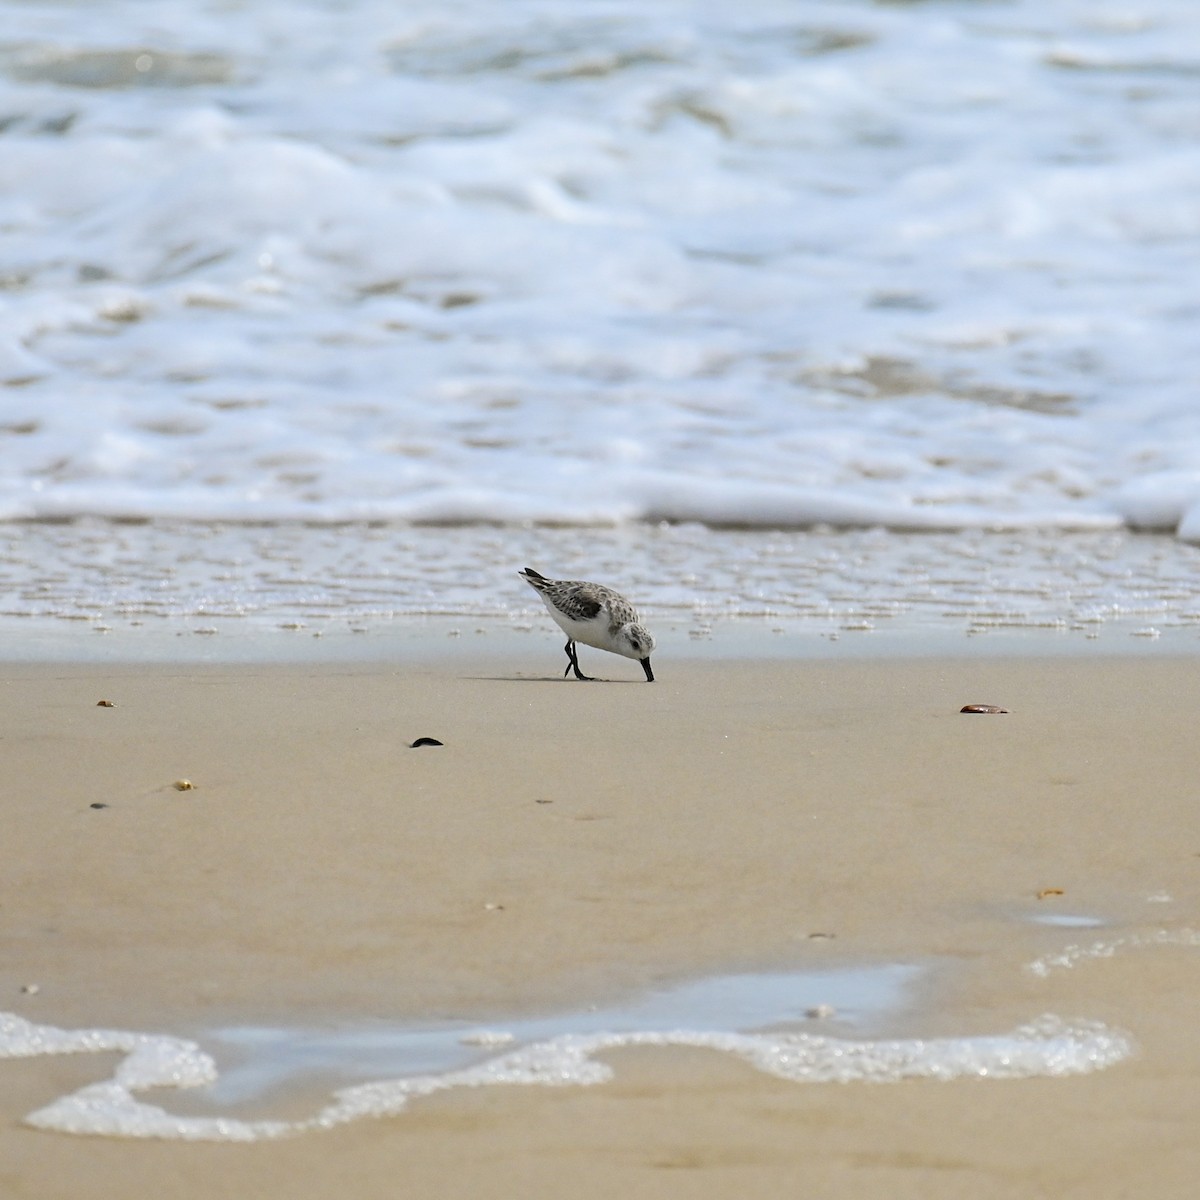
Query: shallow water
point(179, 590)
point(851, 998)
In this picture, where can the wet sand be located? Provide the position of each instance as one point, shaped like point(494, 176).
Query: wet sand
point(571, 843)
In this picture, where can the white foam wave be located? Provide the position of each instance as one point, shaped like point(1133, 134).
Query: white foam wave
point(858, 264)
point(1074, 955)
point(1047, 1047)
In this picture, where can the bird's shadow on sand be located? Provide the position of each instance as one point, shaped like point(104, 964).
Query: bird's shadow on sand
point(542, 679)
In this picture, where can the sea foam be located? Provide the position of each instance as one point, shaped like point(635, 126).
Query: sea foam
point(924, 267)
point(1048, 1047)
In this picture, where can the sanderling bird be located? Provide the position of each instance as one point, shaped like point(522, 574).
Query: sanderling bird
point(594, 615)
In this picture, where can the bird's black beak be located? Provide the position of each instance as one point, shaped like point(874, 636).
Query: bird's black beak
point(646, 667)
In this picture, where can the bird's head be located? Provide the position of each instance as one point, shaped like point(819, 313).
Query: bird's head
point(636, 641)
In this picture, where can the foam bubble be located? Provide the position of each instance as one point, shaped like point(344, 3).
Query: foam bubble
point(1073, 956)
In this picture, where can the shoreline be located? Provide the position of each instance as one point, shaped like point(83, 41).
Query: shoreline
point(210, 593)
point(533, 644)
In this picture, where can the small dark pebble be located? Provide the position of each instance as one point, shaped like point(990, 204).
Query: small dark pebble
point(426, 742)
point(97, 805)
point(982, 708)
point(543, 802)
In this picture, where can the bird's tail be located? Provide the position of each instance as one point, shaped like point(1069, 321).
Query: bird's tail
point(535, 580)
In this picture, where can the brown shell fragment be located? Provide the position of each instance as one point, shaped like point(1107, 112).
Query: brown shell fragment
point(426, 741)
point(982, 708)
point(105, 704)
point(1050, 892)
point(183, 785)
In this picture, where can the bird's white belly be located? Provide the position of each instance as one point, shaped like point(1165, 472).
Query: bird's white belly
point(591, 633)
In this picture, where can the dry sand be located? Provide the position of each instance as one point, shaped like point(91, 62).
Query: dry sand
point(570, 843)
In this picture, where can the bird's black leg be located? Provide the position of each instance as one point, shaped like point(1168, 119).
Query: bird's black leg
point(573, 662)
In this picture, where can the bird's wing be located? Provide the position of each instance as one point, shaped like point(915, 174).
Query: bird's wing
point(583, 603)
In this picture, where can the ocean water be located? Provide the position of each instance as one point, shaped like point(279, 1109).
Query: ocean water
point(569, 270)
point(916, 265)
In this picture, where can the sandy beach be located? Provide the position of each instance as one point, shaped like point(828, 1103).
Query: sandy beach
point(853, 343)
point(570, 844)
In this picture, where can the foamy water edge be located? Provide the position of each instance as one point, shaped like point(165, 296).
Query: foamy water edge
point(1046, 1047)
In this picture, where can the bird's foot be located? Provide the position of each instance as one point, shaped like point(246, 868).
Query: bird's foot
point(573, 664)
